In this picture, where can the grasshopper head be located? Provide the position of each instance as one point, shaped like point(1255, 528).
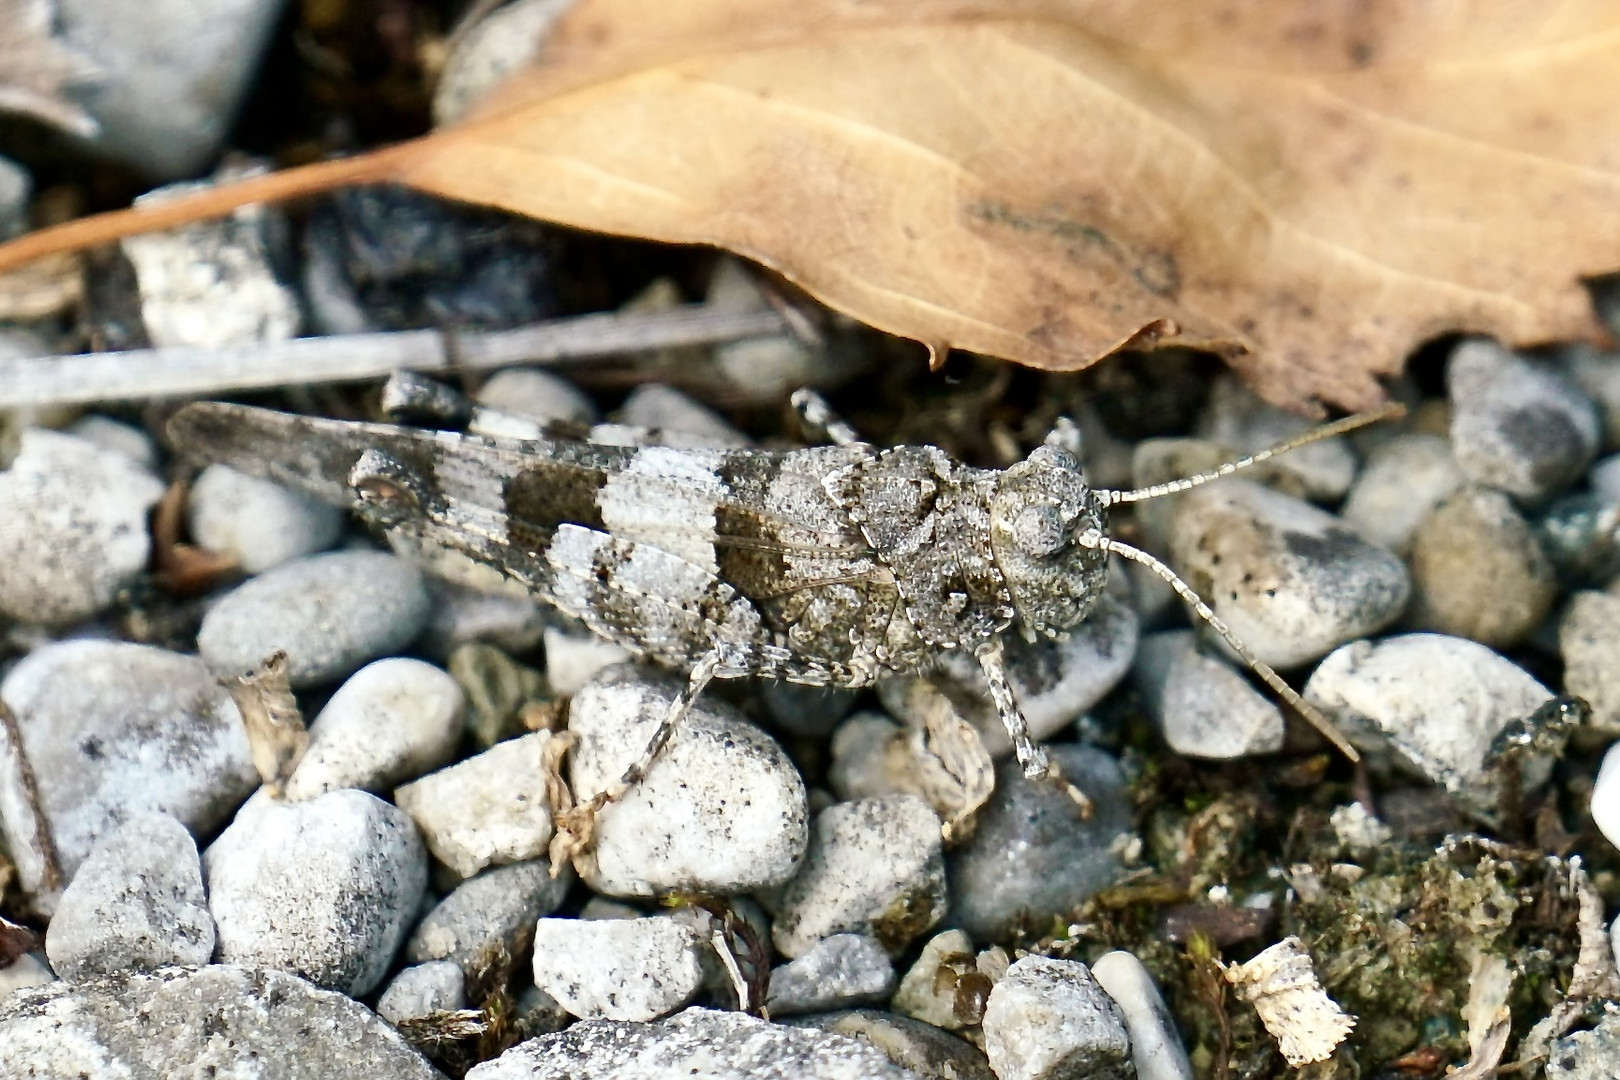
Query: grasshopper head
point(1040, 507)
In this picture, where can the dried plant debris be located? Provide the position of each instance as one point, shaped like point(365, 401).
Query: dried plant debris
point(35, 67)
point(1281, 984)
point(275, 726)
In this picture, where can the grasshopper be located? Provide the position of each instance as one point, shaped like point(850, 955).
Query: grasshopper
point(828, 565)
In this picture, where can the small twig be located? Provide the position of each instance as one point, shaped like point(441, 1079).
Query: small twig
point(50, 878)
point(192, 372)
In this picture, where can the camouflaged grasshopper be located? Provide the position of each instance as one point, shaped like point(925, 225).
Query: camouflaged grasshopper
point(829, 565)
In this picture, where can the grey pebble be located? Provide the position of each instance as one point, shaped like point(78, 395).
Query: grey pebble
point(1589, 640)
point(1597, 372)
point(696, 1043)
point(463, 616)
point(537, 395)
point(486, 915)
point(576, 656)
point(330, 613)
point(1402, 481)
point(759, 369)
point(1605, 799)
point(1156, 1047)
point(721, 811)
point(928, 1052)
point(1049, 1020)
point(25, 971)
point(72, 527)
point(1033, 854)
point(807, 711)
point(436, 986)
point(1320, 471)
point(1291, 581)
point(209, 284)
point(1517, 425)
point(943, 988)
point(168, 77)
point(259, 523)
point(112, 729)
point(619, 969)
point(1432, 702)
point(137, 903)
point(110, 434)
point(487, 809)
point(680, 420)
point(325, 888)
point(839, 972)
point(1593, 1054)
point(505, 39)
point(221, 1020)
point(1479, 572)
point(872, 755)
point(391, 721)
point(1054, 681)
point(874, 866)
point(1202, 706)
point(16, 190)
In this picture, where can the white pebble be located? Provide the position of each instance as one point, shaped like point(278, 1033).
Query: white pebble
point(326, 888)
point(1606, 798)
point(393, 720)
point(574, 657)
point(875, 866)
point(489, 809)
point(25, 971)
point(417, 991)
point(1403, 480)
point(1203, 707)
point(72, 527)
point(110, 434)
point(537, 395)
point(1589, 639)
point(1237, 419)
point(839, 972)
point(495, 910)
point(136, 903)
point(257, 522)
point(1155, 1043)
point(1049, 1020)
point(679, 420)
point(330, 614)
point(721, 811)
point(619, 969)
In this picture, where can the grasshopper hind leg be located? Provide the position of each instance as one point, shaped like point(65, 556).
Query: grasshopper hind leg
point(1032, 757)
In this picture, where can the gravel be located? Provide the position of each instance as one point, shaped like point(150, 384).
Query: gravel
point(489, 915)
point(1203, 706)
point(839, 972)
point(417, 991)
point(619, 969)
point(1479, 572)
point(1404, 479)
point(258, 523)
point(1049, 1020)
point(1156, 1048)
point(1589, 639)
point(930, 1054)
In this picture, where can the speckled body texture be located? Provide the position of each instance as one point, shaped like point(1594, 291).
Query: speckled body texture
point(826, 565)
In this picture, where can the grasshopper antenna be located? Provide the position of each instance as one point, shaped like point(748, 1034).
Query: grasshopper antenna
point(1094, 539)
point(1326, 431)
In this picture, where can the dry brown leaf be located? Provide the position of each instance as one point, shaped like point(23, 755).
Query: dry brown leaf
point(35, 66)
point(1308, 189)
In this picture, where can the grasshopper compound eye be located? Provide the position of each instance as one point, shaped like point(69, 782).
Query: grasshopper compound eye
point(1039, 531)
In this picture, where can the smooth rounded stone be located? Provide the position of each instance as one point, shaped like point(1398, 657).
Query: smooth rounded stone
point(464, 616)
point(600, 907)
point(1597, 372)
point(110, 434)
point(112, 729)
point(1032, 853)
point(1479, 572)
point(1158, 461)
point(1156, 1047)
point(1589, 639)
point(1236, 418)
point(1202, 706)
point(575, 657)
point(16, 190)
point(1049, 1020)
point(721, 811)
point(488, 914)
point(258, 523)
point(930, 1054)
point(1290, 580)
point(871, 756)
point(330, 614)
point(392, 720)
point(25, 971)
point(72, 527)
point(940, 988)
point(137, 903)
point(838, 972)
point(759, 369)
point(504, 40)
point(808, 711)
point(1431, 702)
point(325, 888)
point(436, 986)
point(874, 866)
point(696, 1043)
point(667, 411)
point(221, 1020)
point(209, 284)
point(488, 809)
point(1053, 681)
point(1403, 480)
point(1606, 797)
point(1519, 426)
point(1593, 1054)
point(168, 76)
point(537, 395)
point(619, 969)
